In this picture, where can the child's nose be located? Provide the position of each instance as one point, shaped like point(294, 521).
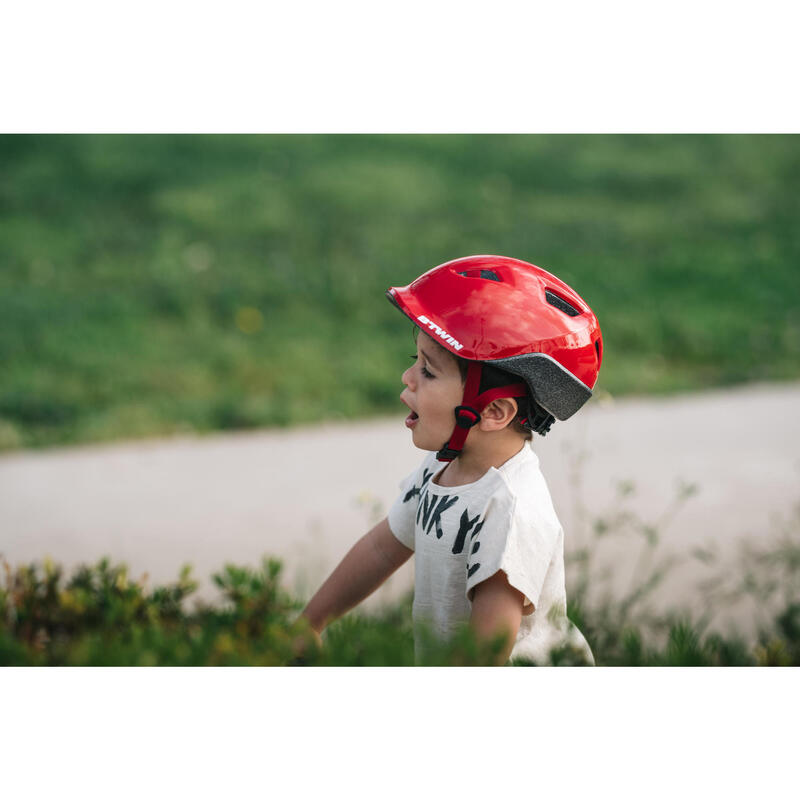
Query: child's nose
point(408, 376)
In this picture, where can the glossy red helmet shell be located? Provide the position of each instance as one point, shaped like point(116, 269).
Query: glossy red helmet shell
point(515, 316)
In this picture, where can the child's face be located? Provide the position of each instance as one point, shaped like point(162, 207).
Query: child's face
point(433, 389)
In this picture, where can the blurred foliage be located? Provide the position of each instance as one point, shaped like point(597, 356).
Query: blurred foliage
point(99, 616)
point(160, 284)
point(638, 605)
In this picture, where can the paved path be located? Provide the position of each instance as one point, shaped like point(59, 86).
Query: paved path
point(305, 495)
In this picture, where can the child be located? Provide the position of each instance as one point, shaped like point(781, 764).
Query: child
point(503, 348)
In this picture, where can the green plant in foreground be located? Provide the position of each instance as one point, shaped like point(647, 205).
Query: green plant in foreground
point(626, 627)
point(100, 616)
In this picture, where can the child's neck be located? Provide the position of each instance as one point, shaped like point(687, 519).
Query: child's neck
point(477, 458)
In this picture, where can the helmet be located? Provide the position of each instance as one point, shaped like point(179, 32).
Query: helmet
point(512, 315)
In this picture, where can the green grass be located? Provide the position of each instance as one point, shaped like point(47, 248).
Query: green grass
point(160, 284)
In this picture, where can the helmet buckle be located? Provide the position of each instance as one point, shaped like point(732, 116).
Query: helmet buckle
point(466, 417)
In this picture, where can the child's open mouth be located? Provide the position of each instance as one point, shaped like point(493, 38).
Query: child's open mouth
point(411, 419)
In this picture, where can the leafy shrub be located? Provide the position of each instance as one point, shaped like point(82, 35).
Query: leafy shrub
point(100, 617)
point(625, 628)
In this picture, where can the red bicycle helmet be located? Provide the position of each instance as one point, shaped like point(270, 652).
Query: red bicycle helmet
point(515, 316)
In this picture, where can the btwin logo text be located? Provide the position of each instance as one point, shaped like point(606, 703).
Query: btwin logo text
point(440, 333)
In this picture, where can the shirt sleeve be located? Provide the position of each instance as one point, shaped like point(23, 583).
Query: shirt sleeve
point(402, 514)
point(522, 545)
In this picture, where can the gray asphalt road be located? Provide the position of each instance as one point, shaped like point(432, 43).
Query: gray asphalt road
point(306, 495)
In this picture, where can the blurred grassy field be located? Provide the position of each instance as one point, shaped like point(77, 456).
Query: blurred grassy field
point(160, 284)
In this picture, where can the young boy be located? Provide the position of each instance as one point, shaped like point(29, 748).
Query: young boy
point(503, 348)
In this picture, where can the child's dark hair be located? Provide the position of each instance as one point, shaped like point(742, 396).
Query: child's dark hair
point(530, 416)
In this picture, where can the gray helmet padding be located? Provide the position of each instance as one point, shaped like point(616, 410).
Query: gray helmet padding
point(554, 388)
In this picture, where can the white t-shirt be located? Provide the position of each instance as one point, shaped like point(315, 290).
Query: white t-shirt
point(462, 535)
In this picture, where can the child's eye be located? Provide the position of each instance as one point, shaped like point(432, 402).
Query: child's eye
point(423, 370)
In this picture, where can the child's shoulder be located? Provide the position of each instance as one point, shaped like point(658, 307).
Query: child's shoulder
point(525, 483)
point(521, 469)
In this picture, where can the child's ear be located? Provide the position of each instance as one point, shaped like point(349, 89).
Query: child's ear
point(498, 414)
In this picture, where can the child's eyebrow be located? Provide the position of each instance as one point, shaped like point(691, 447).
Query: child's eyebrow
point(431, 361)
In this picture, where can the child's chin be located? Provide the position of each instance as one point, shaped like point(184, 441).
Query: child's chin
point(422, 443)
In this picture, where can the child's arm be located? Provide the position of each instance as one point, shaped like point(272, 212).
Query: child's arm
point(496, 609)
point(370, 561)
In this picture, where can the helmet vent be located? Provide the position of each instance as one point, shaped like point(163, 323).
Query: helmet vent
point(486, 274)
point(560, 304)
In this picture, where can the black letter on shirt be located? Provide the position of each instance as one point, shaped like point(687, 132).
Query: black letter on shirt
point(444, 503)
point(424, 508)
point(463, 529)
point(429, 505)
point(475, 567)
point(413, 492)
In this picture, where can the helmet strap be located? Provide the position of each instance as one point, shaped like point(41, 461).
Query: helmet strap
point(468, 414)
